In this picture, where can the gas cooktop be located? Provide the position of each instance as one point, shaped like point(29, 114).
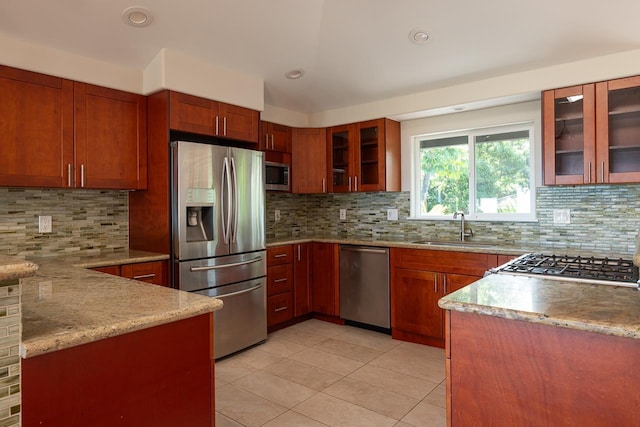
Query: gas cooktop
point(610, 271)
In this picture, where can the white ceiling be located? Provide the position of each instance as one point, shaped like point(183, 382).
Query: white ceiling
point(352, 51)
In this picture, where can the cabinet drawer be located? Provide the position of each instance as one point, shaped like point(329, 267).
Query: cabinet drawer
point(150, 272)
point(473, 264)
point(109, 269)
point(279, 279)
point(279, 255)
point(279, 308)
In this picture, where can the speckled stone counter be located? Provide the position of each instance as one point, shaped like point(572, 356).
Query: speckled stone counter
point(15, 268)
point(610, 310)
point(65, 305)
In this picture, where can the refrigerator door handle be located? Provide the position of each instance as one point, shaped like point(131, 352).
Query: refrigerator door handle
point(217, 267)
point(226, 202)
point(234, 230)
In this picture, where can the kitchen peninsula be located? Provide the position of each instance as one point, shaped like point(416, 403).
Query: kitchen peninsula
point(530, 351)
point(102, 350)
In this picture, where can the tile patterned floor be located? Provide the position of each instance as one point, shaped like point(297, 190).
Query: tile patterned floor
point(320, 374)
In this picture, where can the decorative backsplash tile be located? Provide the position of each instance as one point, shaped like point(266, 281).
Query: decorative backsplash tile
point(603, 218)
point(9, 352)
point(82, 220)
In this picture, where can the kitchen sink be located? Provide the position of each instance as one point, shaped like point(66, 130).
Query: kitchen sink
point(452, 243)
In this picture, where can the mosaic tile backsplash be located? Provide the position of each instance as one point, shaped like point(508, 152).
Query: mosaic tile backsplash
point(603, 218)
point(85, 221)
point(9, 352)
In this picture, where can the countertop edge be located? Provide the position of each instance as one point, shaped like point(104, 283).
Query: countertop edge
point(16, 268)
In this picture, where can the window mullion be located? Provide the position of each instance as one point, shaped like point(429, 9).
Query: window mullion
point(472, 174)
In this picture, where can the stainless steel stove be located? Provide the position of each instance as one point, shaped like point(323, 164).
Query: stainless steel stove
point(608, 271)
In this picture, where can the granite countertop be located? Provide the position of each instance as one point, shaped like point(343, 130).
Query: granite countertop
point(65, 305)
point(605, 309)
point(15, 268)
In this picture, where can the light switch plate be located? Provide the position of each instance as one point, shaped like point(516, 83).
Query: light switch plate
point(392, 214)
point(561, 216)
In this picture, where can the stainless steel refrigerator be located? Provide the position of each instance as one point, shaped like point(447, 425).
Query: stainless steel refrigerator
point(218, 237)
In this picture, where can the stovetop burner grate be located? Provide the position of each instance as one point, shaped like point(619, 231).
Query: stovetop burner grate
point(589, 268)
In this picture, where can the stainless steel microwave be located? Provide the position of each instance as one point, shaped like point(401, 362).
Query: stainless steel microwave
point(276, 176)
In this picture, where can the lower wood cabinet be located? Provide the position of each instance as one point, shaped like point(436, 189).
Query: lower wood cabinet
point(301, 279)
point(325, 293)
point(154, 272)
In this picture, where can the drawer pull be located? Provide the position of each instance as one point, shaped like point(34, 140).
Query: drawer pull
point(281, 308)
point(144, 276)
point(279, 280)
point(280, 255)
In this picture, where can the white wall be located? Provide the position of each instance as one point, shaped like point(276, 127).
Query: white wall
point(515, 113)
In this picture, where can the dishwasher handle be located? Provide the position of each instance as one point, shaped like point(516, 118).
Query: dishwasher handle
point(365, 250)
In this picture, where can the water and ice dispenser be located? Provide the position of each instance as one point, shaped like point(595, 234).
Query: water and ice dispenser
point(199, 223)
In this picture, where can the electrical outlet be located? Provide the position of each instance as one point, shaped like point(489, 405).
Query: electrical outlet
point(392, 214)
point(277, 215)
point(343, 214)
point(44, 224)
point(561, 216)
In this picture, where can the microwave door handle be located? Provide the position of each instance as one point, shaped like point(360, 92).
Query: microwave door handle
point(234, 230)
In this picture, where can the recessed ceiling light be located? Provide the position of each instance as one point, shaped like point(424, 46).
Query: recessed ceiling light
point(419, 36)
point(137, 16)
point(295, 74)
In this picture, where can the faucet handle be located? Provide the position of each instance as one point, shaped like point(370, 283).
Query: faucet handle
point(455, 214)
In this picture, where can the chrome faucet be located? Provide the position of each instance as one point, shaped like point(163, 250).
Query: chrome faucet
point(463, 232)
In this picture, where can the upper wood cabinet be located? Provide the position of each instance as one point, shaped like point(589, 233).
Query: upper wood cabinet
point(59, 133)
point(110, 138)
point(309, 161)
point(193, 114)
point(592, 133)
point(275, 137)
point(364, 156)
point(36, 128)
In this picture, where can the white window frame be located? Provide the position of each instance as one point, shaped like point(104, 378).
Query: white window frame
point(471, 134)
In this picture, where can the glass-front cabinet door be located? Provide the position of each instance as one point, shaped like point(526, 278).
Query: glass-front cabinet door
point(371, 157)
point(340, 163)
point(569, 135)
point(618, 130)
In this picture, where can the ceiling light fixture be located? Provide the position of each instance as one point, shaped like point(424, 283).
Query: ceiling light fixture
point(295, 74)
point(419, 36)
point(137, 16)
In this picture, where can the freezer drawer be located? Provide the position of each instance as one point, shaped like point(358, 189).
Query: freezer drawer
point(364, 285)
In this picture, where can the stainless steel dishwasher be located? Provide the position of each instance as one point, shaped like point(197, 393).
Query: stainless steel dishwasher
point(364, 285)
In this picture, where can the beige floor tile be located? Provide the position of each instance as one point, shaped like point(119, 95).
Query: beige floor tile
point(303, 374)
point(229, 370)
point(438, 397)
point(319, 327)
point(298, 336)
point(330, 362)
point(412, 360)
point(366, 338)
point(407, 385)
point(292, 419)
point(273, 388)
point(281, 347)
point(400, 424)
point(426, 415)
point(244, 407)
point(339, 413)
point(222, 421)
point(348, 350)
point(377, 399)
point(257, 358)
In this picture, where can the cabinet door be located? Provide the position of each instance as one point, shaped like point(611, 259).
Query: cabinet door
point(301, 279)
point(275, 137)
point(111, 138)
point(370, 155)
point(238, 123)
point(341, 158)
point(569, 135)
point(36, 124)
point(309, 161)
point(324, 286)
point(454, 282)
point(618, 131)
point(189, 113)
point(414, 303)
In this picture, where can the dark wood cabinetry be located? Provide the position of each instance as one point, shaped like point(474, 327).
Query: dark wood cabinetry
point(419, 278)
point(309, 161)
point(592, 133)
point(154, 272)
point(325, 293)
point(275, 137)
point(202, 116)
point(59, 133)
point(301, 279)
point(364, 156)
point(279, 285)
